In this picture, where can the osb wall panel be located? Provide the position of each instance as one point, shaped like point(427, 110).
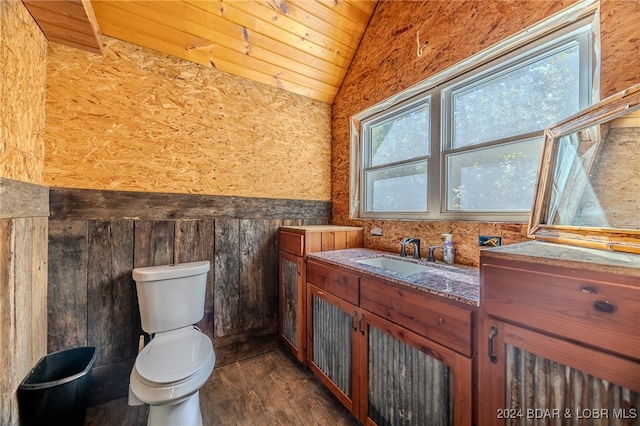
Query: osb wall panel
point(137, 120)
point(23, 50)
point(620, 37)
point(386, 63)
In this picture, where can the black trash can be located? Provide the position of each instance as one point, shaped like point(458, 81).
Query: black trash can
point(57, 388)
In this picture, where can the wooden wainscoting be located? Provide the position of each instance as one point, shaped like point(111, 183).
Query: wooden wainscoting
point(24, 208)
point(97, 237)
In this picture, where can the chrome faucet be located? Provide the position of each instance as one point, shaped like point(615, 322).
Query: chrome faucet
point(403, 248)
point(416, 247)
point(430, 257)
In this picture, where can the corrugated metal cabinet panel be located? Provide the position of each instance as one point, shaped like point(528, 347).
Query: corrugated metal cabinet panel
point(526, 377)
point(294, 243)
point(291, 294)
point(384, 373)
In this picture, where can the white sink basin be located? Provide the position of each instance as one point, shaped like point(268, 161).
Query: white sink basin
point(400, 266)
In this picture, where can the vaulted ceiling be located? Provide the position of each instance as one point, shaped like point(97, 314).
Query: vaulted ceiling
point(303, 46)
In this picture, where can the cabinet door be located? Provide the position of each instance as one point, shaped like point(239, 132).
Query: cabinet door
point(331, 347)
point(291, 288)
point(411, 380)
point(527, 377)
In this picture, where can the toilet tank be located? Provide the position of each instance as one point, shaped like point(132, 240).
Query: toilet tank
point(171, 296)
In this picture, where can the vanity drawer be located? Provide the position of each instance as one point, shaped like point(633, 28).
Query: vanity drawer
point(430, 316)
point(336, 281)
point(291, 242)
point(594, 312)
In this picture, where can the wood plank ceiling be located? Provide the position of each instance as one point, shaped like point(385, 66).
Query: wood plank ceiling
point(69, 22)
point(303, 46)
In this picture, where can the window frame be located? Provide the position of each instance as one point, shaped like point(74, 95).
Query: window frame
point(523, 47)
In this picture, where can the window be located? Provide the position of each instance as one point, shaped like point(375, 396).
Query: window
point(396, 157)
point(467, 146)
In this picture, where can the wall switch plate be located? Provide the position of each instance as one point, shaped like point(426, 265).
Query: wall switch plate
point(489, 241)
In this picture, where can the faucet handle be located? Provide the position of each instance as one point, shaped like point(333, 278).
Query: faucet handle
point(430, 257)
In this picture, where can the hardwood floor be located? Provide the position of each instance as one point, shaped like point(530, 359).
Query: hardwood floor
point(268, 389)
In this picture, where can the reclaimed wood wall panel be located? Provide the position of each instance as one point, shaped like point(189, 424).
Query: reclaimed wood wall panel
point(386, 63)
point(8, 358)
point(134, 119)
point(23, 293)
point(269, 253)
point(195, 241)
point(94, 204)
point(68, 278)
point(23, 257)
point(251, 291)
point(154, 242)
point(23, 199)
point(110, 289)
point(227, 304)
point(39, 285)
point(23, 65)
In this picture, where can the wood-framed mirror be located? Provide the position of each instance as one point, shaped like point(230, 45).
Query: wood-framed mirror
point(588, 189)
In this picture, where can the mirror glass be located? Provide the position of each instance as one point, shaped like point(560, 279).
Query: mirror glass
point(596, 180)
point(588, 190)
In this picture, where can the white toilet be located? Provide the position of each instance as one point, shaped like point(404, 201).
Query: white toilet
point(176, 363)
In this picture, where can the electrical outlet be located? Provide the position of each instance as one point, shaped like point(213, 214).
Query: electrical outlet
point(489, 241)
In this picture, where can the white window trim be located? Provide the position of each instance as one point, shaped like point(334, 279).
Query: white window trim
point(553, 23)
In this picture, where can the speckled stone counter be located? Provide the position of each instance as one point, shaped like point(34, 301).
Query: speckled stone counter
point(568, 256)
point(455, 282)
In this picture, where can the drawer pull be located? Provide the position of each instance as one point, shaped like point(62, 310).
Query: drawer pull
point(587, 289)
point(360, 324)
point(604, 306)
point(492, 334)
point(353, 321)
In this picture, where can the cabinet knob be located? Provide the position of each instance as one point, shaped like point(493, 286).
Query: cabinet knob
point(604, 306)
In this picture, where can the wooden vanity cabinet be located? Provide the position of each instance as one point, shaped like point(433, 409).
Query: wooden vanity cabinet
point(558, 343)
point(294, 244)
point(385, 372)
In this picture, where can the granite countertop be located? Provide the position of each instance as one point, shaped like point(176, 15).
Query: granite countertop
point(455, 282)
point(568, 256)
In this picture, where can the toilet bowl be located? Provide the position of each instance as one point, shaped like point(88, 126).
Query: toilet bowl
point(172, 368)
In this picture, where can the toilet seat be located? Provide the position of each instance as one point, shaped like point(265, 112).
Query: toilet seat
point(174, 365)
point(174, 355)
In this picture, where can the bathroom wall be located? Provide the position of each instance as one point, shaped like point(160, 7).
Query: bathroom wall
point(137, 120)
point(386, 63)
point(24, 202)
point(153, 160)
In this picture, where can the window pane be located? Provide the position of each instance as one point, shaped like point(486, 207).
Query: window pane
point(501, 178)
point(403, 138)
point(402, 188)
point(524, 100)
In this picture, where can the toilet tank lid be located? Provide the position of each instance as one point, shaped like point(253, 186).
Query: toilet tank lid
point(168, 272)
